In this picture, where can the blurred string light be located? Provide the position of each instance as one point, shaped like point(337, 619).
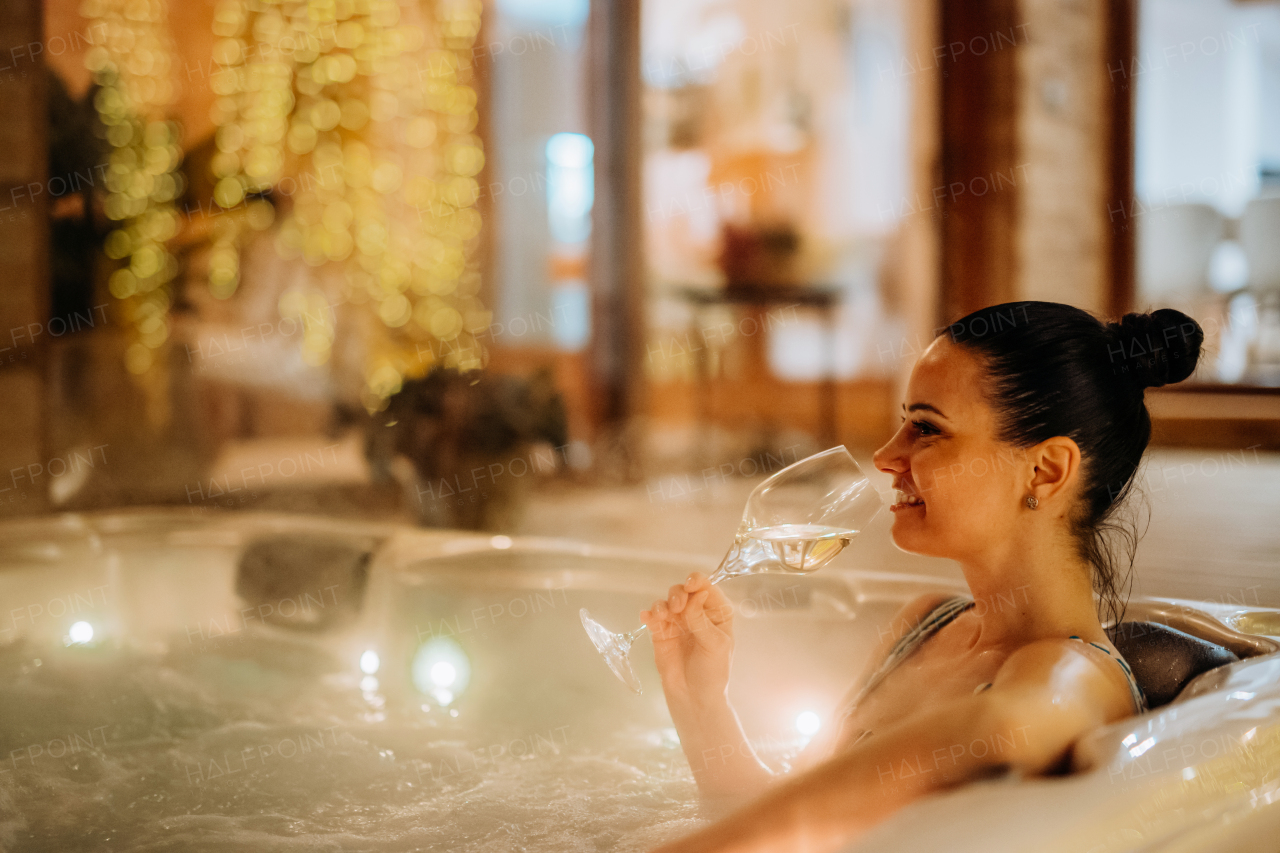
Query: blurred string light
point(363, 114)
point(131, 62)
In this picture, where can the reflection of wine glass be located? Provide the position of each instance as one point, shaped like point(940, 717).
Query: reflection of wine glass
point(795, 521)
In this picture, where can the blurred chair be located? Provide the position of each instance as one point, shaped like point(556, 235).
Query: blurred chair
point(1260, 236)
point(1175, 245)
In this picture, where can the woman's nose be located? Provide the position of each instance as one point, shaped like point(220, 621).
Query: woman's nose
point(888, 458)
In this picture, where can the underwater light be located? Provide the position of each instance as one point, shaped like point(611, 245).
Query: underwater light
point(81, 632)
point(808, 723)
point(441, 667)
point(443, 674)
point(369, 662)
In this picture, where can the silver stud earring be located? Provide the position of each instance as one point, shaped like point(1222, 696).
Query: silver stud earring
point(1032, 503)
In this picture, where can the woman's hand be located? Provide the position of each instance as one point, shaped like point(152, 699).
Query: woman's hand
point(692, 634)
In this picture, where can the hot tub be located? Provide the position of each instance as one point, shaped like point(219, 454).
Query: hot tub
point(279, 683)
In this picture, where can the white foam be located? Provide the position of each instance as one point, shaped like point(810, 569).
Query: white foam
point(203, 752)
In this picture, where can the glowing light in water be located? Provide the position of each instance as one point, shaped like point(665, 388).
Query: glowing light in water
point(81, 632)
point(441, 669)
point(444, 674)
point(369, 662)
point(808, 723)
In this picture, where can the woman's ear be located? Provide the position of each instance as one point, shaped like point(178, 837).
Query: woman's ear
point(1056, 461)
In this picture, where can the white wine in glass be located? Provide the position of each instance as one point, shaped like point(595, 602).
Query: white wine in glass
point(798, 520)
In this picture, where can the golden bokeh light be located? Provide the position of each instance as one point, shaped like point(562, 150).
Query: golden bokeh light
point(131, 62)
point(366, 110)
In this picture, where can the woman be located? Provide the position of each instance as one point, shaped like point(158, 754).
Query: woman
point(1023, 427)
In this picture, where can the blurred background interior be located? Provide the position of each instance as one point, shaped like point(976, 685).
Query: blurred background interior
point(593, 269)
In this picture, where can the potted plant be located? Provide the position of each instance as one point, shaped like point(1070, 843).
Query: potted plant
point(475, 442)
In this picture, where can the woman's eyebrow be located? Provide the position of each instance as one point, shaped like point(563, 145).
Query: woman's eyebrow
point(924, 406)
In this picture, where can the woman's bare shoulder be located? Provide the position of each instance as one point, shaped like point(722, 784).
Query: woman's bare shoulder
point(1067, 669)
point(907, 617)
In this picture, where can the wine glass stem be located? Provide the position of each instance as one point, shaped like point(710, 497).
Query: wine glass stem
point(717, 576)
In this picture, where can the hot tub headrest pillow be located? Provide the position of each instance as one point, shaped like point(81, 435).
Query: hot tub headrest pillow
point(1164, 659)
point(303, 580)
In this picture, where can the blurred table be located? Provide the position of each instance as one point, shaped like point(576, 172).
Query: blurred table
point(759, 299)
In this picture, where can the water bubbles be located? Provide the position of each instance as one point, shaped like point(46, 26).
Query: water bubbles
point(369, 662)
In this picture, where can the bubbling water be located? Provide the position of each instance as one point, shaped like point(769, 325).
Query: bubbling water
point(266, 745)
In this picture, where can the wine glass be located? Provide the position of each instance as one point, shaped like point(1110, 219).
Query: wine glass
point(798, 520)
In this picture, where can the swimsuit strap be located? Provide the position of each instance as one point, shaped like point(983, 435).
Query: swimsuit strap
point(1135, 691)
point(933, 621)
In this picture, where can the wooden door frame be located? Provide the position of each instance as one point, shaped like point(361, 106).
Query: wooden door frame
point(1121, 53)
point(978, 123)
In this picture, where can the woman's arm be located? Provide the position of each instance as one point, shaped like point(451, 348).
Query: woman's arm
point(691, 628)
point(692, 634)
point(1045, 696)
point(722, 760)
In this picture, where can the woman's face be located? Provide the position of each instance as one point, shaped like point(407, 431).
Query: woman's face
point(945, 453)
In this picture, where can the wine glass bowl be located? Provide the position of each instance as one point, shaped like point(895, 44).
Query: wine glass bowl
point(804, 548)
point(796, 521)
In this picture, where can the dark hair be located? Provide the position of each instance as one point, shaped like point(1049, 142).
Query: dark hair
point(1054, 369)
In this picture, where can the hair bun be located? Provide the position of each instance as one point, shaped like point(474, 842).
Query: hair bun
point(1155, 349)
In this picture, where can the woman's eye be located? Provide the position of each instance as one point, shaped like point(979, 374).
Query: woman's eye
point(924, 427)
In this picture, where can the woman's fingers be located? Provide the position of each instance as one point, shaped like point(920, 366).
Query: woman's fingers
point(689, 608)
point(693, 613)
point(718, 603)
point(701, 617)
point(676, 598)
point(657, 612)
point(660, 606)
point(719, 608)
point(699, 581)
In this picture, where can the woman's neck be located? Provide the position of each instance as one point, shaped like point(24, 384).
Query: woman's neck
point(1027, 593)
